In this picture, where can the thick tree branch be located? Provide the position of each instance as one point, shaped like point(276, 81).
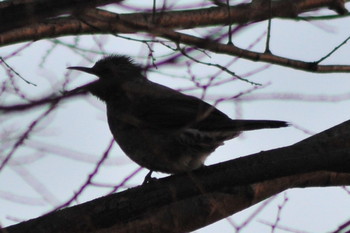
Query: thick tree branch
point(186, 202)
point(240, 14)
point(19, 13)
point(98, 21)
point(90, 21)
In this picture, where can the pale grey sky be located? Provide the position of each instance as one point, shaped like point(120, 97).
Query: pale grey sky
point(77, 132)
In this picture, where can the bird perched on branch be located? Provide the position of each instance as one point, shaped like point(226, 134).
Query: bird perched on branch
point(157, 127)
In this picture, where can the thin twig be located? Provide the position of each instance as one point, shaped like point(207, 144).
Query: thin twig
point(8, 66)
point(89, 178)
point(25, 135)
point(333, 51)
point(267, 48)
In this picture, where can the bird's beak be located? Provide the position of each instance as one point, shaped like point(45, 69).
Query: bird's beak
point(84, 69)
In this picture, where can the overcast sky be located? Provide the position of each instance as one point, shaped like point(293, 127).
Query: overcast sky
point(61, 152)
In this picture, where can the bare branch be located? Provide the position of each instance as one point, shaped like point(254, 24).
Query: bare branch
point(211, 193)
point(24, 136)
point(52, 99)
point(239, 14)
point(99, 21)
point(14, 14)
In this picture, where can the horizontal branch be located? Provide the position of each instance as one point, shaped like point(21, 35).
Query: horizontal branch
point(209, 194)
point(52, 99)
point(254, 11)
point(19, 13)
point(98, 21)
point(239, 14)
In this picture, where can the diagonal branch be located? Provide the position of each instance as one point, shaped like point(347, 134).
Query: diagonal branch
point(185, 202)
point(52, 99)
point(103, 22)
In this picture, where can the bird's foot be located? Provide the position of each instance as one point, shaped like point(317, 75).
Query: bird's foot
point(149, 179)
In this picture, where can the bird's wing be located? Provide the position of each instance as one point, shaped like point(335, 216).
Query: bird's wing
point(162, 107)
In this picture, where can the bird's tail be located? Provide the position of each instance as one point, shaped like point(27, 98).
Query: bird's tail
point(243, 125)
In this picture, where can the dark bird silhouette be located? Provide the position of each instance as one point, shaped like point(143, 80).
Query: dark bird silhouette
point(157, 127)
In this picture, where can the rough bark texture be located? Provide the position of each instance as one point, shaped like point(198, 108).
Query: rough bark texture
point(187, 202)
point(41, 17)
point(84, 18)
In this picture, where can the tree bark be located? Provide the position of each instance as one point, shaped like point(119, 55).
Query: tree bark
point(186, 202)
point(30, 20)
point(86, 19)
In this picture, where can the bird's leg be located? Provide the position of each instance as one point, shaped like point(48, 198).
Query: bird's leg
point(148, 178)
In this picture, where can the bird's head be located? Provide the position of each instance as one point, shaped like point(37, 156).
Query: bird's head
point(113, 71)
point(117, 68)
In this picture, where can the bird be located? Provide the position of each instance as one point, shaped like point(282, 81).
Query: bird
point(157, 127)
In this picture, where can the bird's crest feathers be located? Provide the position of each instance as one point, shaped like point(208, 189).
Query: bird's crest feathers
point(121, 61)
